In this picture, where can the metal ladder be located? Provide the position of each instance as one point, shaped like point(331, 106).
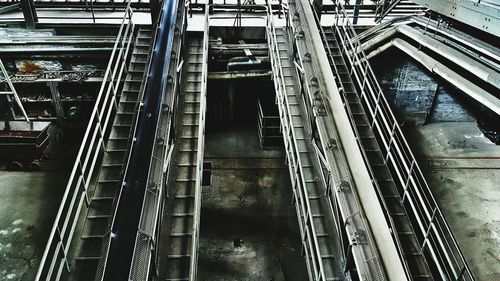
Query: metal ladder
point(180, 207)
point(12, 91)
point(320, 240)
point(414, 258)
point(109, 179)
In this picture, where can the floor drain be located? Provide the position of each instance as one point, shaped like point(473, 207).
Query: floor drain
point(237, 243)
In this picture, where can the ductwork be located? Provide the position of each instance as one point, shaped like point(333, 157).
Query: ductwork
point(444, 72)
point(478, 69)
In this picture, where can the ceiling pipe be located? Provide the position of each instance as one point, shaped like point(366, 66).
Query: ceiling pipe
point(478, 69)
point(444, 72)
point(469, 41)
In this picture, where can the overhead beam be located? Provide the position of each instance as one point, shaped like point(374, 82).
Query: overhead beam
point(10, 8)
point(29, 12)
point(478, 14)
point(223, 75)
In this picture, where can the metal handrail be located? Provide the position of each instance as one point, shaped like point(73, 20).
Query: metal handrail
point(93, 145)
point(296, 170)
point(363, 152)
point(160, 162)
point(438, 241)
point(334, 166)
point(200, 150)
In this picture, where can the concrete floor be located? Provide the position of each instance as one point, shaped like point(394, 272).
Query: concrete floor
point(463, 169)
point(248, 202)
point(28, 204)
point(461, 165)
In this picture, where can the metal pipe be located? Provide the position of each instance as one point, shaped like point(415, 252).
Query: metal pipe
point(444, 72)
point(130, 201)
point(366, 192)
point(484, 73)
point(469, 43)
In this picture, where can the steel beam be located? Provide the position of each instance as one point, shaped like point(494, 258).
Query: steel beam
point(361, 183)
point(221, 75)
point(29, 12)
point(10, 8)
point(478, 14)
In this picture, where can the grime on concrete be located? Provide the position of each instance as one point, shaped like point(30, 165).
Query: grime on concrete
point(461, 164)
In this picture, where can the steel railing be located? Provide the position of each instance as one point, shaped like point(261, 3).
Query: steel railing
point(263, 121)
point(384, 7)
point(340, 85)
point(303, 206)
point(434, 235)
point(135, 121)
point(200, 150)
point(149, 225)
point(349, 217)
point(55, 257)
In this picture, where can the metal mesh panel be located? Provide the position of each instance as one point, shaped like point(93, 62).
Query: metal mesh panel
point(140, 262)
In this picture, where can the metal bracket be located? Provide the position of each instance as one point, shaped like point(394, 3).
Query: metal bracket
point(332, 143)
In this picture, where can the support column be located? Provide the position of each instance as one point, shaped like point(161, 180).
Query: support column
point(356, 11)
point(56, 102)
point(29, 12)
point(154, 6)
point(318, 6)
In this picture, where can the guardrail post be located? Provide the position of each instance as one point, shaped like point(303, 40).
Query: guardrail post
point(63, 248)
point(408, 181)
point(431, 222)
point(101, 133)
point(390, 143)
point(377, 105)
point(364, 73)
point(85, 185)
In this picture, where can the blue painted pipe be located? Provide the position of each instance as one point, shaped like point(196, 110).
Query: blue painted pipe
point(128, 213)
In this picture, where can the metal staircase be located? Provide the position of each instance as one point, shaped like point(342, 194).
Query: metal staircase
point(425, 242)
point(182, 207)
point(319, 236)
point(413, 257)
point(109, 179)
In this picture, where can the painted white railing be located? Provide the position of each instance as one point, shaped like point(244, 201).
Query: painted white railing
point(436, 239)
point(55, 257)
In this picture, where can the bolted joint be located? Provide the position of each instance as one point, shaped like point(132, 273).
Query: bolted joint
point(344, 186)
point(307, 57)
point(332, 143)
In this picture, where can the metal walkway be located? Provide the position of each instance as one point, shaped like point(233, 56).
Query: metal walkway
point(414, 259)
point(109, 179)
point(424, 240)
point(182, 210)
point(319, 236)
